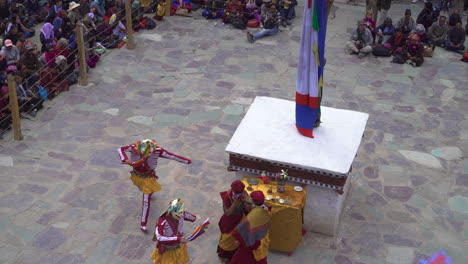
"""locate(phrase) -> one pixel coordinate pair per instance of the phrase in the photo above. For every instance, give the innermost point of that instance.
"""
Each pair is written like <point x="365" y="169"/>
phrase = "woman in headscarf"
<point x="52" y="81"/>
<point x="413" y="51"/>
<point x="62" y="48"/>
<point x="47" y="36"/>
<point x="421" y="32"/>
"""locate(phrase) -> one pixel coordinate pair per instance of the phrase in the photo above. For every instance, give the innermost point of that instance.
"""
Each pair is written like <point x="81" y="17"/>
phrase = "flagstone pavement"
<point x="65" y="198"/>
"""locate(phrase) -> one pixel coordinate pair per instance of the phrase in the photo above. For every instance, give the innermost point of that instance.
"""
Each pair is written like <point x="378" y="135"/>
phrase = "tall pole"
<point x="167" y="5"/>
<point x="81" y="53"/>
<point x="128" y="18"/>
<point x="15" y="115"/>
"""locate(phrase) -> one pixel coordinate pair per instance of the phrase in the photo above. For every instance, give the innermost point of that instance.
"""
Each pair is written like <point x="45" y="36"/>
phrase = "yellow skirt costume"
<point x="227" y="242"/>
<point x="147" y="185"/>
<point x="177" y="256"/>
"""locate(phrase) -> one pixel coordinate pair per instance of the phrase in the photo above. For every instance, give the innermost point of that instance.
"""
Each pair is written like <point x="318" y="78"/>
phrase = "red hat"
<point x="237" y="186"/>
<point x="258" y="197"/>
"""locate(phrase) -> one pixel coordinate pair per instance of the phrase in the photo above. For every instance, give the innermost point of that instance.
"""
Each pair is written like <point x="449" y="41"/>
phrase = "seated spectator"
<point x="92" y="57"/>
<point x="385" y="31"/>
<point x="421" y="32"/>
<point x="74" y="13"/>
<point x="59" y="23"/>
<point x="47" y="36"/>
<point x="5" y="115"/>
<point x="28" y="102"/>
<point x="271" y="22"/>
<point x="370" y="23"/>
<point x="46" y="13"/>
<point x="34" y="8"/>
<point x="406" y="23"/>
<point x="234" y="11"/>
<point x="266" y="5"/>
<point x="30" y="60"/>
<point x="57" y="8"/>
<point x="252" y="11"/>
<point x="181" y="7"/>
<point x="413" y="51"/>
<point x="52" y="81"/>
<point x="49" y="56"/>
<point x="120" y="30"/>
<point x="454" y="18"/>
<point x="99" y="7"/>
<point x="62" y="48"/>
<point x="286" y="9"/>
<point x="214" y="9"/>
<point x="105" y="31"/>
<point x="438" y="32"/>
<point x="427" y="16"/>
<point x="10" y="52"/>
<point x="361" y="40"/>
<point x="4" y="9"/>
<point x="28" y="32"/>
<point x="66" y="71"/>
<point x="84" y="8"/>
<point x="160" y="10"/>
<point x="13" y="34"/>
<point x="455" y="38"/>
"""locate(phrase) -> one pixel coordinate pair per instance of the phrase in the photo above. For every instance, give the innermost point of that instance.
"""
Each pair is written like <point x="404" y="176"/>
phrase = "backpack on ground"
<point x="150" y="23"/>
<point x="380" y="51"/>
<point x="238" y="23"/>
<point x="253" y="23"/>
<point x="398" y="59"/>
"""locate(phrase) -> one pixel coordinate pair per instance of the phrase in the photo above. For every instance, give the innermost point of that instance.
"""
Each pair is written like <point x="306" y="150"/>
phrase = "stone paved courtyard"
<point x="65" y="199"/>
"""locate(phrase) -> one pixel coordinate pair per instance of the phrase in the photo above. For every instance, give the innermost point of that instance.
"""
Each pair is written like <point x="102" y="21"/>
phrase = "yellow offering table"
<point x="287" y="217"/>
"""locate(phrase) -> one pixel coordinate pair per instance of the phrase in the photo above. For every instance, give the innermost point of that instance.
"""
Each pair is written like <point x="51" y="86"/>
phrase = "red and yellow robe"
<point x="252" y="235"/>
<point x="227" y="243"/>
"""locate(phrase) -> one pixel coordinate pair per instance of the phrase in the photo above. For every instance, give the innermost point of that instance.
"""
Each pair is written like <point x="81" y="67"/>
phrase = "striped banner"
<point x="310" y="67"/>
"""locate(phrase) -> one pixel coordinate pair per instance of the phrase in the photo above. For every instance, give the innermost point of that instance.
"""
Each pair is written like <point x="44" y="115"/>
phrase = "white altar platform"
<point x="268" y="133"/>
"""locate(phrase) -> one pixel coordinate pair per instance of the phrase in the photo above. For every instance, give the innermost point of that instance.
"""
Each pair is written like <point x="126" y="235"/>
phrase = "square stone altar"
<point x="267" y="140"/>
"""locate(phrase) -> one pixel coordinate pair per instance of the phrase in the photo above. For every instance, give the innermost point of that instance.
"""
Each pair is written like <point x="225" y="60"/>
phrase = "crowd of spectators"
<point x="409" y="40"/>
<point x="43" y="70"/>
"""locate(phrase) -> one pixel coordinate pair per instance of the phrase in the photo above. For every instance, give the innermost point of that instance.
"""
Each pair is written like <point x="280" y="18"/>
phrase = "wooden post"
<point x="81" y="54"/>
<point x="129" y="19"/>
<point x="15" y="115"/>
<point x="167" y="5"/>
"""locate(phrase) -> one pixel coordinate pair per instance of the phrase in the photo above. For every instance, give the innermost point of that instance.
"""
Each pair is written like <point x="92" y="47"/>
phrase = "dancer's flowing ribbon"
<point x="200" y="230"/>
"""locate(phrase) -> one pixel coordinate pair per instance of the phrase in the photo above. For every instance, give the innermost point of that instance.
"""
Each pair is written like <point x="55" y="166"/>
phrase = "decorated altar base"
<point x="267" y="140"/>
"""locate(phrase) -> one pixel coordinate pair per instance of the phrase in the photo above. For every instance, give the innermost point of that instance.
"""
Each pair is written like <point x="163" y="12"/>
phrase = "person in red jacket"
<point x="235" y="207"/>
<point x="252" y="233"/>
<point x="171" y="247"/>
<point x="144" y="156"/>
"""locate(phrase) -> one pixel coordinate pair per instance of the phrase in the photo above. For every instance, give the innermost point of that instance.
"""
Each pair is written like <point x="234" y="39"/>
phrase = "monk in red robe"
<point x="252" y="233"/>
<point x="234" y="211"/>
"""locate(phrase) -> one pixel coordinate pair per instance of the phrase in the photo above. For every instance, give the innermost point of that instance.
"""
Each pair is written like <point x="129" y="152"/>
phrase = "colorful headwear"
<point x="176" y="206"/>
<point x="414" y="37"/>
<point x="145" y="147"/>
<point x="258" y="197"/>
<point x="237" y="186"/>
<point x="419" y="29"/>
